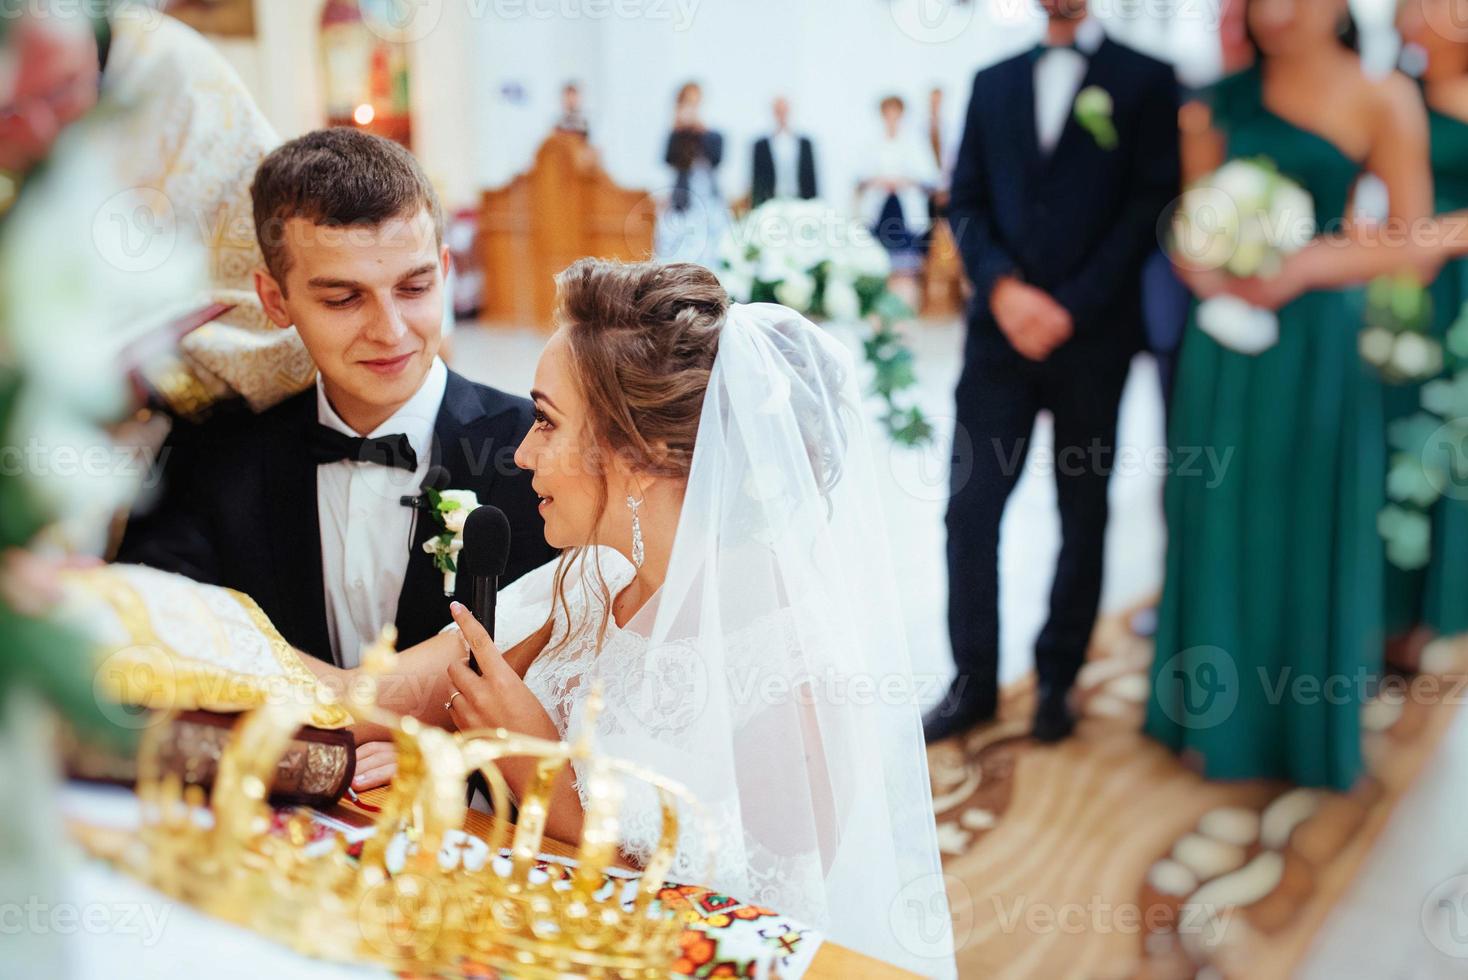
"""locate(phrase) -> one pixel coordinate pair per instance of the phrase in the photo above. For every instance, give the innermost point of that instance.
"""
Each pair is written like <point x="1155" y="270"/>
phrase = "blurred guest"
<point x="572" y="120"/>
<point x="695" y="218"/>
<point x="898" y="175"/>
<point x="1436" y="597"/>
<point x="1274" y="564"/>
<point x="192" y="136"/>
<point x="784" y="161"/>
<point x="1053" y="209"/>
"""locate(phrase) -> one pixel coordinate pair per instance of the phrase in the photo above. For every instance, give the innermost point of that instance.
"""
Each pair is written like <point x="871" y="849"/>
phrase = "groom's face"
<point x="368" y="304"/>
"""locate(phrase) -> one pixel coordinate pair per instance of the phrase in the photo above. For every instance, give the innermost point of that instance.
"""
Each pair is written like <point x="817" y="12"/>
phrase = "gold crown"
<point x="515" y="913"/>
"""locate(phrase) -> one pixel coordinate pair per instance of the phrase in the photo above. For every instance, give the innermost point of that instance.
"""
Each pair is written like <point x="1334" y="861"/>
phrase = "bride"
<point x="726" y="581"/>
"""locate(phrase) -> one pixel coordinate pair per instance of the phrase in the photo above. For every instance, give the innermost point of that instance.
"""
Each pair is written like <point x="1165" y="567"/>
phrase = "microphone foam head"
<point x="486" y="543"/>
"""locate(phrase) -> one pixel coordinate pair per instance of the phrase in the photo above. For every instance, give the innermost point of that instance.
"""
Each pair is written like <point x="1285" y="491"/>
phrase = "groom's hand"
<point x="377" y="763"/>
<point x="1032" y="321"/>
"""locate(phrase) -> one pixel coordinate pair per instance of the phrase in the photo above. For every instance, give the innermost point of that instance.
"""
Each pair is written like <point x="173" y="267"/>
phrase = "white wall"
<point x="834" y="58"/>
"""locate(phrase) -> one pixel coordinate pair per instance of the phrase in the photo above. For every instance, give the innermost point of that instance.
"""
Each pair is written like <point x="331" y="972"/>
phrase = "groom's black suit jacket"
<point x="1080" y="222"/>
<point x="238" y="509"/>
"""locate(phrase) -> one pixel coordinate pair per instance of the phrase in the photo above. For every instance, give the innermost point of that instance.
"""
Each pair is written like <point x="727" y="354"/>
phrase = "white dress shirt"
<point x="366" y="531"/>
<point x="1058" y="77"/>
<point x="785" y="152"/>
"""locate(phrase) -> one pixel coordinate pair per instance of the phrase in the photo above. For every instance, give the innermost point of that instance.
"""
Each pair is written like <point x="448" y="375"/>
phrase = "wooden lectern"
<point x="563" y="208"/>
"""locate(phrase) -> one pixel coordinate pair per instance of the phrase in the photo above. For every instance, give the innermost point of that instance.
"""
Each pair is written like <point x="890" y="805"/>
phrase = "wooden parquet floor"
<point x="1048" y="849"/>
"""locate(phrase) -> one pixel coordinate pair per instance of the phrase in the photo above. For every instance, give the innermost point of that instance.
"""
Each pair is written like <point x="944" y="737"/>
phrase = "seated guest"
<point x="572" y="120"/>
<point x="899" y="174"/>
<point x="302" y="507"/>
<point x="784" y="162"/>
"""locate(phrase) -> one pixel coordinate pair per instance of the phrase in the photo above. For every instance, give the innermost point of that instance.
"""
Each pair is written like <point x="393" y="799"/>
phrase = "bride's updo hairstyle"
<point x="643" y="338"/>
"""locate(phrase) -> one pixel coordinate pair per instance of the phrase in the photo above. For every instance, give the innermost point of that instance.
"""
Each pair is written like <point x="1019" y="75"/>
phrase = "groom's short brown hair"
<point x="338" y="177"/>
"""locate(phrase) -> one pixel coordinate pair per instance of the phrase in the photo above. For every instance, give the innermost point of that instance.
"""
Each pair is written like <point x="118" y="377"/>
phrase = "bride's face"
<point x="560" y="451"/>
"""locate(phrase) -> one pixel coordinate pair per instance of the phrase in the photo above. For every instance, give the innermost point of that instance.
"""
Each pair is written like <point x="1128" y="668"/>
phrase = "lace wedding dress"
<point x="769" y="674"/>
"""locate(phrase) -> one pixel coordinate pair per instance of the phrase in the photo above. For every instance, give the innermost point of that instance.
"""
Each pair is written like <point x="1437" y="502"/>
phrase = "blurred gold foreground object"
<point x="427" y="910"/>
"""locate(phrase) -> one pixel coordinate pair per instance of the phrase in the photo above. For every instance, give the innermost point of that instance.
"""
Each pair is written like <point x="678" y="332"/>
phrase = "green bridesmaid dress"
<point x="1271" y="618"/>
<point x="1437" y="596"/>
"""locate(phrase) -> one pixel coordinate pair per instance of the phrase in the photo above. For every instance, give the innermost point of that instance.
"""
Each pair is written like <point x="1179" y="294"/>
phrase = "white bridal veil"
<point x="774" y="681"/>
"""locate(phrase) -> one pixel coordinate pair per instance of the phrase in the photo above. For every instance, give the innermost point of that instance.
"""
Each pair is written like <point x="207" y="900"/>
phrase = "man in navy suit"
<point x="1069" y="159"/>
<point x="314" y="508"/>
<point x="784" y="162"/>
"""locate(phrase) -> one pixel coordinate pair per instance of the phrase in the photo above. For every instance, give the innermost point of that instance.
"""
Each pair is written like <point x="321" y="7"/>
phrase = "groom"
<point x="314" y="508"/>
<point x="1069" y="157"/>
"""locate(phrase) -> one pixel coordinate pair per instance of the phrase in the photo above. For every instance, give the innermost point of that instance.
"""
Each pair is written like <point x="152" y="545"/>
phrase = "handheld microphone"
<point x="482" y="561"/>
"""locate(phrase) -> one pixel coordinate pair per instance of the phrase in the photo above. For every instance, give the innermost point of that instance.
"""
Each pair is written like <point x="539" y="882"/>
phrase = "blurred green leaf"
<point x="1408" y="480"/>
<point x="1447" y="397"/>
<point x="1412" y="434"/>
<point x="1408" y="536"/>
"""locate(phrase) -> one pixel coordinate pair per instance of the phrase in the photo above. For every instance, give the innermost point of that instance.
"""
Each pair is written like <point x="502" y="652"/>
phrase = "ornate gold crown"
<point x="432" y="912"/>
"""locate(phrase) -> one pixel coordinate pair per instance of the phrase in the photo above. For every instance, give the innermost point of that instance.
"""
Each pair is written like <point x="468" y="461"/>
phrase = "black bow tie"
<point x="330" y="446"/>
<point x="1039" y="50"/>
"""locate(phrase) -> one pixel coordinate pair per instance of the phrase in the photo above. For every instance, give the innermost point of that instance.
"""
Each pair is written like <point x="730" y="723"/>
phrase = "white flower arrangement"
<point x="1396" y="340"/>
<point x="806" y="255"/>
<point x="1243" y="219"/>
<point x="811" y="257"/>
<point x="451" y="508"/>
<point x="1429" y="458"/>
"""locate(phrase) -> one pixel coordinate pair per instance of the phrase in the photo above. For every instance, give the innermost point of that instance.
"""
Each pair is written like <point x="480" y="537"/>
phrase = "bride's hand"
<point x="499" y="698"/>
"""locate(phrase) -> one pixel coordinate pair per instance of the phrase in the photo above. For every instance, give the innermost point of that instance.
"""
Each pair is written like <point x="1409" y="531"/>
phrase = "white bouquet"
<point x="811" y="257"/>
<point x="1242" y="219"/>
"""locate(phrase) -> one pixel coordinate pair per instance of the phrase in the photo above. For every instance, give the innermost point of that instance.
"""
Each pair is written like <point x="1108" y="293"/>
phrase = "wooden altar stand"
<point x="563" y="208"/>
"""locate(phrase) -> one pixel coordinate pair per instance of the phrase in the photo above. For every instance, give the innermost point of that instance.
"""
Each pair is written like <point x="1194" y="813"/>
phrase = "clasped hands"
<point x="497" y="698"/>
<point x="1030" y="318"/>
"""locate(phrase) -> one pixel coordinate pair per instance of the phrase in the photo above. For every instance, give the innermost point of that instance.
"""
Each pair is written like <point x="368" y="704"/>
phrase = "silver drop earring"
<point x="638" y="554"/>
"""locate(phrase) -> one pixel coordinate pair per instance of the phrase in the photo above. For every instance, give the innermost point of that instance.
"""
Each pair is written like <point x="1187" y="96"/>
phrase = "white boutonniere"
<point x="1093" y="109"/>
<point x="451" y="509"/>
